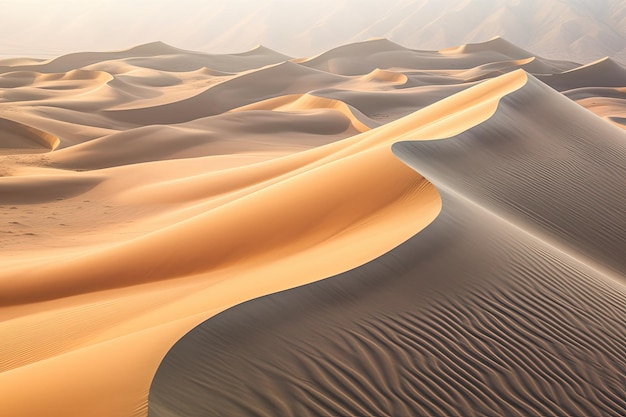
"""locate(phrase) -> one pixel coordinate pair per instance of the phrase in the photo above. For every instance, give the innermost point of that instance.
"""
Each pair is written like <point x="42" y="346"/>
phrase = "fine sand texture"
<point x="371" y="231"/>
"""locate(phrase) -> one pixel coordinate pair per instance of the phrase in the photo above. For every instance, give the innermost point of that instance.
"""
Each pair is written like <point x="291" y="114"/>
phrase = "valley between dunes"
<point x="371" y="231"/>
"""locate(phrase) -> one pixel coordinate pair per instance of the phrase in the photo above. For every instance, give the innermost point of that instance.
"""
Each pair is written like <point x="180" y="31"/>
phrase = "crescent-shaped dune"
<point x="372" y="231"/>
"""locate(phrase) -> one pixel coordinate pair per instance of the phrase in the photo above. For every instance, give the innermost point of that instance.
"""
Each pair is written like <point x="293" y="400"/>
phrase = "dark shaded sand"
<point x="494" y="309"/>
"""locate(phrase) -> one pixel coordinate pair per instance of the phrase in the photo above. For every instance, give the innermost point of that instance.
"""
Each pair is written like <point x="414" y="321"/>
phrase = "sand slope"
<point x="147" y="190"/>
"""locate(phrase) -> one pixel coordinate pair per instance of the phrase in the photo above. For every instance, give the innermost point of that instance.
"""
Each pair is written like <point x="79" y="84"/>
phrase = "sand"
<point x="371" y="231"/>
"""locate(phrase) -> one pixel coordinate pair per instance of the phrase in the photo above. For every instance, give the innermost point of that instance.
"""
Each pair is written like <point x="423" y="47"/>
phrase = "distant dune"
<point x="374" y="230"/>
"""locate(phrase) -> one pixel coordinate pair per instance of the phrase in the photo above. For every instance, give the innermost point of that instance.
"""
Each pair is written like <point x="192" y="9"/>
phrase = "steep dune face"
<point x="550" y="177"/>
<point x="440" y="209"/>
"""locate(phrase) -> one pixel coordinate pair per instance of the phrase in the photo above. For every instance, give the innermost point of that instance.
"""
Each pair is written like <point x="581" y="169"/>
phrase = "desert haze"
<point x="370" y="231"/>
<point x="578" y="30"/>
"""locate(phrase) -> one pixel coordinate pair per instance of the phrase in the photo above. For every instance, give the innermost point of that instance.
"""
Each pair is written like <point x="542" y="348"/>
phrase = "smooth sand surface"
<point x="463" y="221"/>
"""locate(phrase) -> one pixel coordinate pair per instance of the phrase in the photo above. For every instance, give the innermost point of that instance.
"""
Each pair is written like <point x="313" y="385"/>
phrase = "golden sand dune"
<point x="467" y="216"/>
<point x="493" y="309"/>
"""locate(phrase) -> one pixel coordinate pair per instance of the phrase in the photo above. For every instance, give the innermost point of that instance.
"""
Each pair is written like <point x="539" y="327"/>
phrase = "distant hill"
<point x="578" y="30"/>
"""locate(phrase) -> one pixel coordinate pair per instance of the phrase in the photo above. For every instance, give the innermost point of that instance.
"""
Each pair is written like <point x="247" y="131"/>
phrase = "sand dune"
<point x="372" y="231"/>
<point x="386" y="77"/>
<point x="133" y="260"/>
<point x="602" y="73"/>
<point x="161" y="56"/>
<point x="365" y="57"/>
<point x="303" y="102"/>
<point x="497" y="49"/>
<point x="206" y="137"/>
<point x="486" y="312"/>
<point x="611" y="109"/>
<point x="19" y="136"/>
<point x="416" y="343"/>
<point x="286" y="78"/>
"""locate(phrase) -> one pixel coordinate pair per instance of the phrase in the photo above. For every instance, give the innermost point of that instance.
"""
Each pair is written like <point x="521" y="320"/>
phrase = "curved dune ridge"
<point x="454" y="228"/>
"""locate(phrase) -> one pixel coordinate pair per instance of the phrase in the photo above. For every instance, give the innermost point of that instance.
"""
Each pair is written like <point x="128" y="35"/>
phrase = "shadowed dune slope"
<point x="496" y="308"/>
<point x="552" y="183"/>
<point x="471" y="317"/>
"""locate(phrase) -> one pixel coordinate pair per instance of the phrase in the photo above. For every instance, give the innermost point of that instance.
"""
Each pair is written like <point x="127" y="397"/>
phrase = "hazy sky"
<point x="53" y="26"/>
<point x="304" y="27"/>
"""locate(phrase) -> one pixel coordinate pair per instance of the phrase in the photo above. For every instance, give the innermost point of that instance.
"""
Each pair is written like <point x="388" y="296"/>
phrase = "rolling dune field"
<point x="371" y="231"/>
